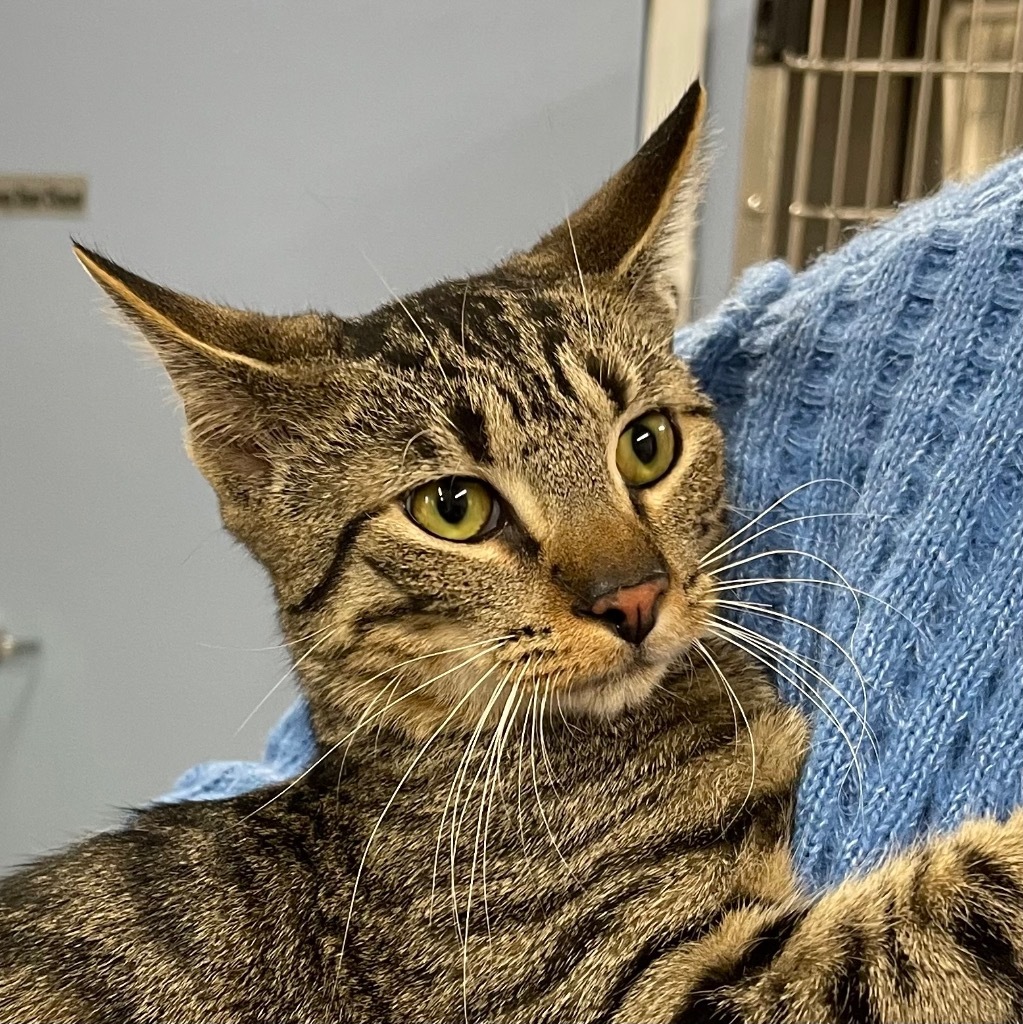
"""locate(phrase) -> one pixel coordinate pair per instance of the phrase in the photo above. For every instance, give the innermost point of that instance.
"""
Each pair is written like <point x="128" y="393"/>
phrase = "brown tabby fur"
<point x="517" y="816"/>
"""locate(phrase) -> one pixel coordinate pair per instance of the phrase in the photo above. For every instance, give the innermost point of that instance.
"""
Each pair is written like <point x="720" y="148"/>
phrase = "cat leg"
<point x="933" y="935"/>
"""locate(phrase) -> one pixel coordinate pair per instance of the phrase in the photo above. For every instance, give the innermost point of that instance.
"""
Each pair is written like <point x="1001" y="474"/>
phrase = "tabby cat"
<point x="490" y="511"/>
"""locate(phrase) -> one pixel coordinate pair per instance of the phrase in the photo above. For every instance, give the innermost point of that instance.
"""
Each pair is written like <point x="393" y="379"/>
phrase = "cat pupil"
<point x="452" y="501"/>
<point x="644" y="444"/>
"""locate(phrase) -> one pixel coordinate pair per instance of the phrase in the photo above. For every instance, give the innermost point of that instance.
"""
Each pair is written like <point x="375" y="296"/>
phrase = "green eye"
<point x="455" y="508"/>
<point x="646" y="449"/>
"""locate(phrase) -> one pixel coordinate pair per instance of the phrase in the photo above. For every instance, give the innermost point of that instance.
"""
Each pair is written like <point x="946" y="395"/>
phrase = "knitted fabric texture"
<point x="882" y="391"/>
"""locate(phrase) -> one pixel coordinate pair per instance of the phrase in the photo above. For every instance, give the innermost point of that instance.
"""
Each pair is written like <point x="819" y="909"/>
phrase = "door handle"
<point x="12" y="646"/>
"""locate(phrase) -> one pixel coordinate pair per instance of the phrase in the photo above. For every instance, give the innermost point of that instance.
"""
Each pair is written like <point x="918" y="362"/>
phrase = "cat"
<point x="490" y="512"/>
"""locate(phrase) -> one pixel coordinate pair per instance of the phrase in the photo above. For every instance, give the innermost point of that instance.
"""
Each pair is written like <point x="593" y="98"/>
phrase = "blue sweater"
<point x="891" y="373"/>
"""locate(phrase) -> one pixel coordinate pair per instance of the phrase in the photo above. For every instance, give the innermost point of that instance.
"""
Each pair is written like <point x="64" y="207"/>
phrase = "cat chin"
<point x="631" y="685"/>
<point x="605" y="698"/>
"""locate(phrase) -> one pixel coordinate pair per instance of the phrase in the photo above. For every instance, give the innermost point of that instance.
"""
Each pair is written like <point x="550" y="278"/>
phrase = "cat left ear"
<point x="637" y="226"/>
<point x="227" y="366"/>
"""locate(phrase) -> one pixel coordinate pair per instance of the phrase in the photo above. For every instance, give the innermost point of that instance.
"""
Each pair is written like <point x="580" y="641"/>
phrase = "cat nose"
<point x="631" y="611"/>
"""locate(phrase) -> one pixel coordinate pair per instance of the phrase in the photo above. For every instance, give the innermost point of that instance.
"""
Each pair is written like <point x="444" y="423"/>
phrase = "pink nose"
<point x="632" y="611"/>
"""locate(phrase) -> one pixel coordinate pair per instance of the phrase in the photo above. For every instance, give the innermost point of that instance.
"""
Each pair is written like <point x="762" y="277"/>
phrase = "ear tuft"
<point x="225" y="364"/>
<point x="637" y="225"/>
<point x="173" y="318"/>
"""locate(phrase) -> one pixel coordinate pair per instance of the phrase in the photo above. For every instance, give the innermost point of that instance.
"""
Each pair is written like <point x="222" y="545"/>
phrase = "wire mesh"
<point x="859" y="105"/>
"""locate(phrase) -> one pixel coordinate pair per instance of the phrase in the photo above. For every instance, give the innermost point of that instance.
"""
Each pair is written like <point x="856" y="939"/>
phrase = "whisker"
<point x="781" y="525"/>
<point x="759" y="581"/>
<point x="408" y="313"/>
<point x="323" y="757"/>
<point x="291" y="669"/>
<point x="430" y="401"/>
<point x="271" y="647"/>
<point x="493" y="759"/>
<point x="518" y="687"/>
<point x="536" y="790"/>
<point x="526" y="718"/>
<point x="456" y="819"/>
<point x="564" y="718"/>
<point x="358" y="725"/>
<point x="555" y="785"/>
<point x="804" y="688"/>
<point x="484" y="761"/>
<point x="582" y="283"/>
<point x="408" y="444"/>
<point x="733" y="696"/>
<point x="755" y="608"/>
<point x="397" y="789"/>
<point x="779" y="650"/>
<point x="444" y="814"/>
<point x="729" y="693"/>
<point x="770" y="508"/>
<point x="391" y="688"/>
<point x="803" y="554"/>
<point x="465" y="295"/>
<point x="499" y="640"/>
<point x="782" y="551"/>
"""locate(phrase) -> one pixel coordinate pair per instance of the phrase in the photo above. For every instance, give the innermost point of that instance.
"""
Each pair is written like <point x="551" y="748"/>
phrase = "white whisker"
<point x="465" y="295"/>
<point x="526" y="718"/>
<point x="431" y="402"/>
<point x="408" y="444"/>
<point x="536" y="789"/>
<point x="781" y="525"/>
<point x="387" y="690"/>
<point x="291" y="668"/>
<point x="802" y="554"/>
<point x="401" y="302"/>
<point x="774" y="505"/>
<point x="803" y="687"/>
<point x="499" y="640"/>
<point x="484" y="762"/>
<point x="759" y="581"/>
<point x="755" y="608"/>
<point x="733" y="696"/>
<point x="582" y="283"/>
<point x="271" y="647"/>
<point x="323" y="757"/>
<point x="397" y="789"/>
<point x="444" y="814"/>
<point x="778" y="650"/>
<point x="555" y="785"/>
<point x="456" y="818"/>
<point x="487" y="802"/>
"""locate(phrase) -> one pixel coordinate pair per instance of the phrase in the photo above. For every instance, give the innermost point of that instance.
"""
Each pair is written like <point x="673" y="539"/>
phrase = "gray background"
<point x="263" y="154"/>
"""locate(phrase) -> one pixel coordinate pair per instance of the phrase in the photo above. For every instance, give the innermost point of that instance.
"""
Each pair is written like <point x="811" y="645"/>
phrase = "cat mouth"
<point x="652" y="659"/>
<point x="609" y="693"/>
<point x="680" y="623"/>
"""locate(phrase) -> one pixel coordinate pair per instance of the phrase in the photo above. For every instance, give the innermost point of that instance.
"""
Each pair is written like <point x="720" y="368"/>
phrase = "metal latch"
<point x="12" y="646"/>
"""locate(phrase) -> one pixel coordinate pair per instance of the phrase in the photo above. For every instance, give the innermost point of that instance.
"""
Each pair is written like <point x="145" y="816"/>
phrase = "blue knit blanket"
<point x="880" y="392"/>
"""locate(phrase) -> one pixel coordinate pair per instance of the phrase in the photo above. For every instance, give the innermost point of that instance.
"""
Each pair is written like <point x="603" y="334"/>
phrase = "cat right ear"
<point x="636" y="227"/>
<point x="226" y="365"/>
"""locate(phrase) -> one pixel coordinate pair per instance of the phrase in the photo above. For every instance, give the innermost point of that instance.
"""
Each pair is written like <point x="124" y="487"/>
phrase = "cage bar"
<point x="873" y="102"/>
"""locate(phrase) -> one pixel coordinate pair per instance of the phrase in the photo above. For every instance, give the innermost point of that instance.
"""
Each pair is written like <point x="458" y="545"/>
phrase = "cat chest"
<point x="512" y="909"/>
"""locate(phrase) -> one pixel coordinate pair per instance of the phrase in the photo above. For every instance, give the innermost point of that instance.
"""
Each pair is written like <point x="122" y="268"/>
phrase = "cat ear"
<point x="226" y="365"/>
<point x="637" y="225"/>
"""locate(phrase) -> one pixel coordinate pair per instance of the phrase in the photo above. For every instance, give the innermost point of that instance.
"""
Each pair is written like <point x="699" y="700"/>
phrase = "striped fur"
<point x="517" y="816"/>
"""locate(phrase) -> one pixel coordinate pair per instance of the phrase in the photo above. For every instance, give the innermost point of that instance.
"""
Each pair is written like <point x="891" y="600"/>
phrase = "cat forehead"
<point x="493" y="326"/>
<point x="503" y="372"/>
<point x="486" y="319"/>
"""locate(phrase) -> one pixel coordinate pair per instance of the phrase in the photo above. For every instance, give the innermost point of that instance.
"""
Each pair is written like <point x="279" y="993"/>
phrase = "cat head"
<point x="493" y="491"/>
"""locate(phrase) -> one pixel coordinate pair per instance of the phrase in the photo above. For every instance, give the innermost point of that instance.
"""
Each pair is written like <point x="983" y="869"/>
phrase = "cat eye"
<point x="646" y="449"/>
<point x="455" y="508"/>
